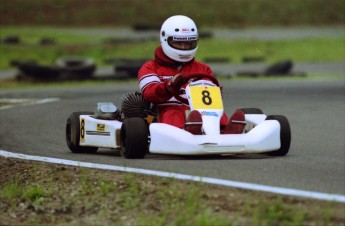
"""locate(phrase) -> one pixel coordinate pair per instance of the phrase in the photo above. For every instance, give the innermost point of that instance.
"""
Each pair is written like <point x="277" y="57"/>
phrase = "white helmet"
<point x="179" y="29"/>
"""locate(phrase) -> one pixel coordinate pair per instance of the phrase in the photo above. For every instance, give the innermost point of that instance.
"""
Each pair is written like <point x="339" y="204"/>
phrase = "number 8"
<point x="206" y="99"/>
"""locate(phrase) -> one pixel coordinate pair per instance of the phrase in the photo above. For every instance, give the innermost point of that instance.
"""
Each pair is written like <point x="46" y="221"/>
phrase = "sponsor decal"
<point x="100" y="127"/>
<point x="97" y="133"/>
<point x="185" y="38"/>
<point x="165" y="77"/>
<point x="202" y="83"/>
<point x="209" y="113"/>
<point x="82" y="130"/>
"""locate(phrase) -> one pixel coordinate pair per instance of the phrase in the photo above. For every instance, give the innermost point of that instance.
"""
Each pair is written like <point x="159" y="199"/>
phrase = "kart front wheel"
<point x="134" y="138"/>
<point x="285" y="135"/>
<point x="73" y="133"/>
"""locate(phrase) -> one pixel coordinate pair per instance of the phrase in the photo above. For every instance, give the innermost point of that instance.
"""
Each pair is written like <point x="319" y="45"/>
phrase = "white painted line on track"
<point x="228" y="183"/>
<point x="14" y="102"/>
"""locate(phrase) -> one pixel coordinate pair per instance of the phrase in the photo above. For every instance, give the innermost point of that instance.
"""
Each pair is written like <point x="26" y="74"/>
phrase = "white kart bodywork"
<point x="260" y="135"/>
<point x="167" y="139"/>
<point x="98" y="132"/>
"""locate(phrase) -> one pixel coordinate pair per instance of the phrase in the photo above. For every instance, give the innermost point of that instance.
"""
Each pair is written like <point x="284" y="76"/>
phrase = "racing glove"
<point x="176" y="81"/>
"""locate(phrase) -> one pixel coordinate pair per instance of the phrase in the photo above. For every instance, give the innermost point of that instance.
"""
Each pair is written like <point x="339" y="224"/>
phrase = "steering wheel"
<point x="187" y="77"/>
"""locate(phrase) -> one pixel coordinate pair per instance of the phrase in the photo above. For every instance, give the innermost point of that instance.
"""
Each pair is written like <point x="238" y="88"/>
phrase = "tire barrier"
<point x="64" y="69"/>
<point x="205" y="34"/>
<point x="47" y="42"/>
<point x="281" y="68"/>
<point x="34" y="71"/>
<point x="250" y="59"/>
<point x="217" y="60"/>
<point x="11" y="40"/>
<point x="76" y="67"/>
<point x="146" y="27"/>
<point x="129" y="67"/>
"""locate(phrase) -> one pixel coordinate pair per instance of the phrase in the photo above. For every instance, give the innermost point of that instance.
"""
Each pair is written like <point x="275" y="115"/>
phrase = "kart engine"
<point x="134" y="105"/>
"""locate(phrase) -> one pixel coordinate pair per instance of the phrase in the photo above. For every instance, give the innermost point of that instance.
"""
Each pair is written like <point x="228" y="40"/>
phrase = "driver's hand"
<point x="176" y="81"/>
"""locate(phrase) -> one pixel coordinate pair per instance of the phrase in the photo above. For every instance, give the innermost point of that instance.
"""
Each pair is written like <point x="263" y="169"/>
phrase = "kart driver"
<point x="173" y="58"/>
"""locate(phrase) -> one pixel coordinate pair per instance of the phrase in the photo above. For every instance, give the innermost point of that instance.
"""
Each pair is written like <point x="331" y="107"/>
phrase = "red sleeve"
<point x="152" y="88"/>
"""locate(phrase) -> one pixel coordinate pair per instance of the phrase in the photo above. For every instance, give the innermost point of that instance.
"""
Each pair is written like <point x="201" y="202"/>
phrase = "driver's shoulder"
<point x="200" y="66"/>
<point x="148" y="65"/>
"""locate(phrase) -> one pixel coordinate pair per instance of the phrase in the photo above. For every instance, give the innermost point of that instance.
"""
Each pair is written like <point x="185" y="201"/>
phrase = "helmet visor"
<point x="183" y="42"/>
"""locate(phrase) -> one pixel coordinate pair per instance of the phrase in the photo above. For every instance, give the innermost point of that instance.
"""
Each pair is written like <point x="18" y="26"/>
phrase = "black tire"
<point x="12" y="40"/>
<point x="134" y="138"/>
<point x="76" y="67"/>
<point x="250" y="59"/>
<point x="39" y="72"/>
<point x="47" y="41"/>
<point x="205" y="34"/>
<point x="146" y="27"/>
<point x="252" y="74"/>
<point x="73" y="134"/>
<point x="129" y="67"/>
<point x="285" y="135"/>
<point x="279" y="68"/>
<point x="216" y="60"/>
<point x="252" y="110"/>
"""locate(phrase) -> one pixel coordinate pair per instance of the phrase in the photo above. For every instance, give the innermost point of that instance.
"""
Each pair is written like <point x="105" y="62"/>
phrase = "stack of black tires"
<point x="70" y="68"/>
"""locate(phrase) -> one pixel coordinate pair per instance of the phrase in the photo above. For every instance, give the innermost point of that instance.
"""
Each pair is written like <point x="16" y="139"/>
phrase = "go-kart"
<point x="134" y="131"/>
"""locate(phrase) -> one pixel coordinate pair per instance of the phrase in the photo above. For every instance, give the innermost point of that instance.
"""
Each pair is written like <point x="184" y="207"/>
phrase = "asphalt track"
<point x="315" y="109"/>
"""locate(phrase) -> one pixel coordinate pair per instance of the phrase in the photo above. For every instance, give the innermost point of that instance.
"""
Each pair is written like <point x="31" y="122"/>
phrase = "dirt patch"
<point x="41" y="193"/>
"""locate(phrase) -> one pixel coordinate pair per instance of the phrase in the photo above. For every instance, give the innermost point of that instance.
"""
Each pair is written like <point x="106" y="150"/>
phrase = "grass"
<point x="14" y="84"/>
<point x="226" y="13"/>
<point x="277" y="213"/>
<point x="14" y="190"/>
<point x="74" y="44"/>
<point x="39" y="194"/>
<point x="313" y="49"/>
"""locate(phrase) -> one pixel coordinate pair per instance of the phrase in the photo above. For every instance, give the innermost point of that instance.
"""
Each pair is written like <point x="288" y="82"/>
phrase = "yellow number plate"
<point x="206" y="97"/>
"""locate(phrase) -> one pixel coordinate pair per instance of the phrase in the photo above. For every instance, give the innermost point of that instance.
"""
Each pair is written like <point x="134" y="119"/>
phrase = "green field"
<point x="219" y="13"/>
<point x="57" y="19"/>
<point x="71" y="43"/>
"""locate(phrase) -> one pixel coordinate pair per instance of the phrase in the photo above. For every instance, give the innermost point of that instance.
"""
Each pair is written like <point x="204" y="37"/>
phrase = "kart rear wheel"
<point x="73" y="134"/>
<point x="285" y="135"/>
<point x="134" y="138"/>
<point x="252" y="111"/>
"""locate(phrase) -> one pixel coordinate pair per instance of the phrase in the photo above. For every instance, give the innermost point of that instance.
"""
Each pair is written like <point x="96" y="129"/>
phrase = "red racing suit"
<point x="152" y="77"/>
